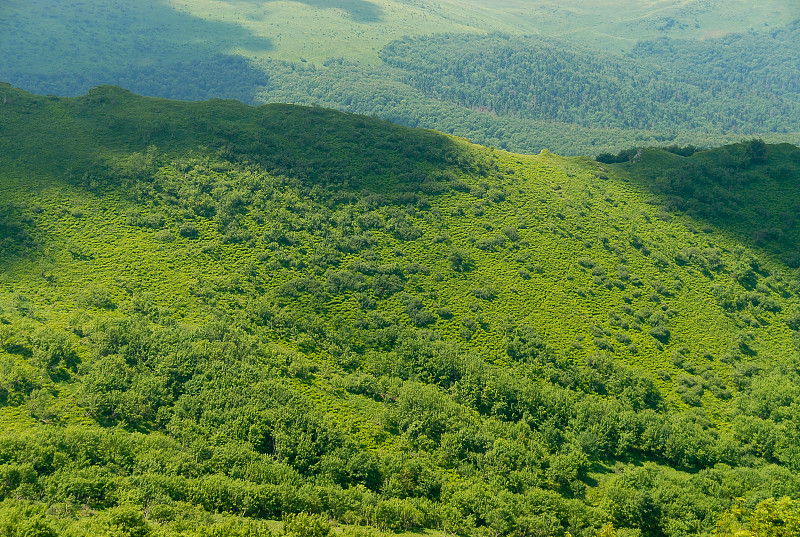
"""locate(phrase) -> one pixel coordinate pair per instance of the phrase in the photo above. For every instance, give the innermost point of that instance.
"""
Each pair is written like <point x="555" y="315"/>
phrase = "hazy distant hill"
<point x="212" y="316"/>
<point x="554" y="75"/>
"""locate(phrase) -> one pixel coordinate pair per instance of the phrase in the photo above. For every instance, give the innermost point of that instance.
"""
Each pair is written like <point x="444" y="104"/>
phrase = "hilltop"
<point x="214" y="316"/>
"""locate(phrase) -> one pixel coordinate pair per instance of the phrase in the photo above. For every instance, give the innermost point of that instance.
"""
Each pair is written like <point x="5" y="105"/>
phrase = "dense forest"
<point x="658" y="86"/>
<point x="764" y="61"/>
<point x="215" y="317"/>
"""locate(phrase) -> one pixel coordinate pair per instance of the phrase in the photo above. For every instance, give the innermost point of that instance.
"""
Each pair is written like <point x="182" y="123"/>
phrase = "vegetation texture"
<point x="213" y="316"/>
<point x="520" y="75"/>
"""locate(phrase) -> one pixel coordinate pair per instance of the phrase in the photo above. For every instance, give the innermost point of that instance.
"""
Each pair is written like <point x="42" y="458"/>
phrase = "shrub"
<point x="660" y="332"/>
<point x="484" y="293"/>
<point x="164" y="235"/>
<point x="188" y="231"/>
<point x="306" y="525"/>
<point x="793" y="321"/>
<point x="96" y="296"/>
<point x="460" y="260"/>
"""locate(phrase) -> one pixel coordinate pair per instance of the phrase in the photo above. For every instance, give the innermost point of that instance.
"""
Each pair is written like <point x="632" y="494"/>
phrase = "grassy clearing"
<point x="45" y="38"/>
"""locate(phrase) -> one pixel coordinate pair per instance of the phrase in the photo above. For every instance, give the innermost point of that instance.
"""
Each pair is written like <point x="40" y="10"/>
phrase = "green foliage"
<point x="735" y="187"/>
<point x="771" y="517"/>
<point x="623" y="156"/>
<point x="25" y="520"/>
<point x="359" y="324"/>
<point x="543" y="79"/>
<point x="306" y="525"/>
<point x="588" y="77"/>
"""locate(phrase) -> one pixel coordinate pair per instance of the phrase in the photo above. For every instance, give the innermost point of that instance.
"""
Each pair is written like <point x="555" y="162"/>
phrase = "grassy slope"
<point x="47" y="38"/>
<point x="573" y="248"/>
<point x="561" y="206"/>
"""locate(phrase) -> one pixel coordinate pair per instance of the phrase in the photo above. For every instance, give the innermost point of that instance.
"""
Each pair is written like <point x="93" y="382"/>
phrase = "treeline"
<point x="547" y="80"/>
<point x="368" y="90"/>
<point x="378" y="92"/>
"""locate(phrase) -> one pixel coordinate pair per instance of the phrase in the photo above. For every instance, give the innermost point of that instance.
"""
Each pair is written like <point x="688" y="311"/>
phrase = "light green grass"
<point x="356" y="30"/>
<point x="45" y="37"/>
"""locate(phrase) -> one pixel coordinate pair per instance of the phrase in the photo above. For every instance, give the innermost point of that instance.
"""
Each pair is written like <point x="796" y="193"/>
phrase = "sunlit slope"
<point x="580" y="230"/>
<point x="213" y="308"/>
<point x="47" y="37"/>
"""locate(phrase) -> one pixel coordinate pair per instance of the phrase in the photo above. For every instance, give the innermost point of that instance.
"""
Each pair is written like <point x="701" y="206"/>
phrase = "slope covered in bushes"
<point x="212" y="316"/>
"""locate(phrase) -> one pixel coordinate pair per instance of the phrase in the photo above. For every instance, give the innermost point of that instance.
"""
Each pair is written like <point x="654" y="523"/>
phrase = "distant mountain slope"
<point x="574" y="79"/>
<point x="213" y="315"/>
<point x="43" y="37"/>
<point x="765" y="61"/>
<point x="548" y="80"/>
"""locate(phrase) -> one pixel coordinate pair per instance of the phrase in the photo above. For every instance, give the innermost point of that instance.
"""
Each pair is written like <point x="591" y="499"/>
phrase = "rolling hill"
<point x="215" y="316"/>
<point x="572" y="79"/>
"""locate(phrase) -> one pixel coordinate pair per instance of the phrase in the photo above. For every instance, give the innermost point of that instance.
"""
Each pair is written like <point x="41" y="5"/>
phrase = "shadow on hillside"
<point x="148" y="47"/>
<point x="749" y="189"/>
<point x="16" y="230"/>
<point x="314" y="145"/>
<point x="218" y="77"/>
<point x="357" y="10"/>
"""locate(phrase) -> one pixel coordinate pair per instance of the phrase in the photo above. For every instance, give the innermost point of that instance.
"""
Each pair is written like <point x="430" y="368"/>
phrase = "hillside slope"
<point x="48" y="38"/>
<point x="212" y="315"/>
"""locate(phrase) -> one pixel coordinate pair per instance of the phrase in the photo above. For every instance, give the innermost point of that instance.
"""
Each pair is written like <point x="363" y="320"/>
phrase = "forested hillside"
<point x="760" y="61"/>
<point x="215" y="317"/>
<point x="516" y="75"/>
<point x="547" y="80"/>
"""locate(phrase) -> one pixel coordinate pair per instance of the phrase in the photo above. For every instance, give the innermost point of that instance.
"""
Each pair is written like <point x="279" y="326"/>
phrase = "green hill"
<point x="42" y="37"/>
<point x="657" y="87"/>
<point x="215" y="316"/>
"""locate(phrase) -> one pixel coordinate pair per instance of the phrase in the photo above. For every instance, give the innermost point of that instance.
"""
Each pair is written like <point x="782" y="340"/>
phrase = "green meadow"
<point x="47" y="38"/>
